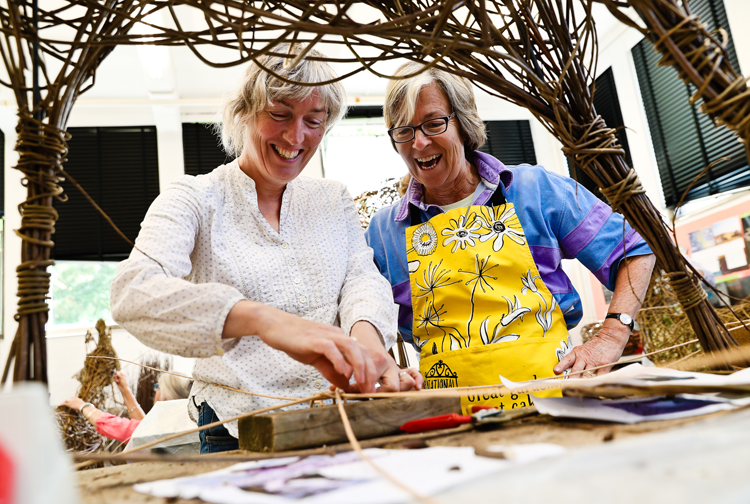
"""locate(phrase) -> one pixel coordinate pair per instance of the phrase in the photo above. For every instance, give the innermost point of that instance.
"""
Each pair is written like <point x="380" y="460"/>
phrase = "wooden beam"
<point x="309" y="427"/>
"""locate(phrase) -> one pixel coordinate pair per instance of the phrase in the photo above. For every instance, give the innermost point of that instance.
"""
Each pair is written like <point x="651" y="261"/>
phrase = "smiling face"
<point x="438" y="162"/>
<point x="282" y="139"/>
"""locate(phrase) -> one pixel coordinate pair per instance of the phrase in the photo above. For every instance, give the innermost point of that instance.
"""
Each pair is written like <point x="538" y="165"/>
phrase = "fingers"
<point x="603" y="371"/>
<point x="335" y="358"/>
<point x="410" y="379"/>
<point x="565" y="363"/>
<point x="418" y="378"/>
<point x="391" y="381"/>
<point x="373" y="374"/>
<point x="579" y="365"/>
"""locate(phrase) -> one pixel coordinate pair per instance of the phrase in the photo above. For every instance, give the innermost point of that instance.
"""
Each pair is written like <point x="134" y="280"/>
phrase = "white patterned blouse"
<point x="216" y="249"/>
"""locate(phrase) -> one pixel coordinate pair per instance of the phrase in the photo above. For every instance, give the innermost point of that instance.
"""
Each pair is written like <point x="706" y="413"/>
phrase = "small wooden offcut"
<point x="292" y="430"/>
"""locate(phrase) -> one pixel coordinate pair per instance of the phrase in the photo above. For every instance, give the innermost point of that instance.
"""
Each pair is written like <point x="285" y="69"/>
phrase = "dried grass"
<point x="96" y="387"/>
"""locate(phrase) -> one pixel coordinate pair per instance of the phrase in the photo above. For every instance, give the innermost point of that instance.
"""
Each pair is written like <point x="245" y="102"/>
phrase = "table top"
<point x="691" y="457"/>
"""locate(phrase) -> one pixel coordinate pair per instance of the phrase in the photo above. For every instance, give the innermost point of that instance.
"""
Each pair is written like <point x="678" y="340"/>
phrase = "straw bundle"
<point x="96" y="387"/>
<point x="370" y="202"/>
<point x="663" y="323"/>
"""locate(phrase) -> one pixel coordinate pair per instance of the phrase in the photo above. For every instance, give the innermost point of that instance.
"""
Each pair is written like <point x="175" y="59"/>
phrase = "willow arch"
<point x="539" y="54"/>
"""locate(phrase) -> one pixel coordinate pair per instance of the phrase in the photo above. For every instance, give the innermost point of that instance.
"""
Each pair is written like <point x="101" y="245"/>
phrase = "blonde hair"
<point x="259" y="88"/>
<point x="401" y="100"/>
<point x="174" y="387"/>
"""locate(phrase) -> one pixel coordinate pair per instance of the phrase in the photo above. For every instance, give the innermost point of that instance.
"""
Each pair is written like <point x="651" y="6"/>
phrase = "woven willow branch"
<point x="539" y="54"/>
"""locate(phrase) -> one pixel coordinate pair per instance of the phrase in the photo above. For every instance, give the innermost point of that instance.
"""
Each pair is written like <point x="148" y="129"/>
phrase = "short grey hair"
<point x="259" y="88"/>
<point x="174" y="387"/>
<point x="401" y="100"/>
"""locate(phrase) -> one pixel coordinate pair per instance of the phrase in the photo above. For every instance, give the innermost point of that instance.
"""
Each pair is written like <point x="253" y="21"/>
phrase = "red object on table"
<point x="7" y="477"/>
<point x="437" y="422"/>
<point x="477" y="408"/>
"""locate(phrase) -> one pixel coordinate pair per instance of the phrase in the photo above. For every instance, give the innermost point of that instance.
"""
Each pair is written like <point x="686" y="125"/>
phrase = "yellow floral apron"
<point x="480" y="307"/>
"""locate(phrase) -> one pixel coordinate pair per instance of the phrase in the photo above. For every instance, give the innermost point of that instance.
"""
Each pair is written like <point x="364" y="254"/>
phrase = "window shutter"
<point x="2" y="179"/>
<point x="118" y="167"/>
<point x="685" y="140"/>
<point x="202" y="148"/>
<point x="607" y="105"/>
<point x="510" y="142"/>
<point x="363" y="111"/>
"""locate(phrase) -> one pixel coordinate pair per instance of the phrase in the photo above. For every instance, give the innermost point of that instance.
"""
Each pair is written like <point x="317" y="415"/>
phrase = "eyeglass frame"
<point x="419" y="126"/>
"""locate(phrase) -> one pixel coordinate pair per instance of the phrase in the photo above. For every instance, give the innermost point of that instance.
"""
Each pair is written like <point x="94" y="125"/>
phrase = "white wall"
<point x="67" y="354"/>
<point x="14" y="194"/>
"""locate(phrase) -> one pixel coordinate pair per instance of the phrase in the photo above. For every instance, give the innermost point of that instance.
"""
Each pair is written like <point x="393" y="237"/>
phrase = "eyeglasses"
<point x="433" y="127"/>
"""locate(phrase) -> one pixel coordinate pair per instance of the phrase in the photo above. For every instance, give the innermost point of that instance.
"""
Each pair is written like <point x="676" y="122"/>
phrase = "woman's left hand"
<point x="604" y="348"/>
<point x="74" y="403"/>
<point x="384" y="370"/>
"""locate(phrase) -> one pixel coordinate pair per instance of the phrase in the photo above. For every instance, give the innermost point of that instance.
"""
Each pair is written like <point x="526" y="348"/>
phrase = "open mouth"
<point x="286" y="154"/>
<point x="429" y="162"/>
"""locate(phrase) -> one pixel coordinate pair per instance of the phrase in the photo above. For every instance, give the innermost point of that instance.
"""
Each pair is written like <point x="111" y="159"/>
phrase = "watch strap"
<point x="618" y="316"/>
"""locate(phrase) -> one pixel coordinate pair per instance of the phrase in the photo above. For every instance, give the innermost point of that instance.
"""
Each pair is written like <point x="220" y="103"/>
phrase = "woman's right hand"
<point x="323" y="346"/>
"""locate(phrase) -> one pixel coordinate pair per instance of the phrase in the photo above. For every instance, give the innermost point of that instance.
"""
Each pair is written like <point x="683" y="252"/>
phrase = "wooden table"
<point x="701" y="460"/>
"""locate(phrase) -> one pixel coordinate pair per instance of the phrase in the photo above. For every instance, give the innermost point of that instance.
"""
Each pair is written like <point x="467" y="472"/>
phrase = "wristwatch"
<point x="624" y="319"/>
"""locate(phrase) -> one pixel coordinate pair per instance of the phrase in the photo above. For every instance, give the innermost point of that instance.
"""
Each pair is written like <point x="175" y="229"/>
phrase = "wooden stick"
<point x="202" y="428"/>
<point x="243" y="457"/>
<point x="191" y="378"/>
<point x="357" y="448"/>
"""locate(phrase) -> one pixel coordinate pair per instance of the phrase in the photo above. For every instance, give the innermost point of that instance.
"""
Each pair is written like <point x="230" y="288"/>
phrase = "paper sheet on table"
<point x="642" y="409"/>
<point x="344" y="478"/>
<point x="641" y="376"/>
<point x="164" y="419"/>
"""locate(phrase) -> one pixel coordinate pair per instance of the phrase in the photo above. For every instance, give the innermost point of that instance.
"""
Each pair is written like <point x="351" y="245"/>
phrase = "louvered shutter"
<point x="2" y="179"/>
<point x="510" y="142"/>
<point x="118" y="167"/>
<point x="202" y="148"/>
<point x="685" y="140"/>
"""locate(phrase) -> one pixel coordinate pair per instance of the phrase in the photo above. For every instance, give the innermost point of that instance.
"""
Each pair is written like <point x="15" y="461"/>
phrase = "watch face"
<point x="626" y="319"/>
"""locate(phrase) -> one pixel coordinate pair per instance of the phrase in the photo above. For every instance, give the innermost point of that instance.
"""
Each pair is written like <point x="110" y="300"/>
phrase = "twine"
<point x="42" y="149"/>
<point x="622" y="191"/>
<point x="687" y="290"/>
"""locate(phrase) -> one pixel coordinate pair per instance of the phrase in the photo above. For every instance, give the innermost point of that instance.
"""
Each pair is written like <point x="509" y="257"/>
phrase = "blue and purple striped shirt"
<point x="560" y="218"/>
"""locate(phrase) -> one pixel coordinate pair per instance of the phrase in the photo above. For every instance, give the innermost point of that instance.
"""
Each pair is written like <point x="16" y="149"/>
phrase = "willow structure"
<point x="539" y="54"/>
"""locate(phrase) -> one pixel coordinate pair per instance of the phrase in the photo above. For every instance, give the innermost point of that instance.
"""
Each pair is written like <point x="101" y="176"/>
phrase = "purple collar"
<point x="490" y="169"/>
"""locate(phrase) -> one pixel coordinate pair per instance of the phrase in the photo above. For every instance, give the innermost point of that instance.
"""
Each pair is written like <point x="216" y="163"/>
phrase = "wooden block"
<point x="310" y="427"/>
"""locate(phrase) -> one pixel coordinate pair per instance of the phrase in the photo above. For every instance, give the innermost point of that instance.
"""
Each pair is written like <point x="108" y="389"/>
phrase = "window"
<point x="202" y="148"/>
<point x="607" y="105"/>
<point x="2" y="168"/>
<point x="80" y="293"/>
<point x="358" y="152"/>
<point x="510" y="142"/>
<point x="685" y="140"/>
<point x="118" y="167"/>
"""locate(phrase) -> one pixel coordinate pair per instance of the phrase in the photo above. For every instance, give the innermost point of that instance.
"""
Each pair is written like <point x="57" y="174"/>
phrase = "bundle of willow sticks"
<point x="96" y="388"/>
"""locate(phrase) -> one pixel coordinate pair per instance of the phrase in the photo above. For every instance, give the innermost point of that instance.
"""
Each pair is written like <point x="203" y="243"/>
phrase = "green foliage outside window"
<point x="80" y="292"/>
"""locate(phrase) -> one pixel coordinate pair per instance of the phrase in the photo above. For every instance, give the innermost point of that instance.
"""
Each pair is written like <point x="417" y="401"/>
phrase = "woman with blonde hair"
<point x="262" y="274"/>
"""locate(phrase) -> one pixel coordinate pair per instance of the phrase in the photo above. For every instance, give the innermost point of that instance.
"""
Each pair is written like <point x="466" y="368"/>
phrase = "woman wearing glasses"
<point x="473" y="250"/>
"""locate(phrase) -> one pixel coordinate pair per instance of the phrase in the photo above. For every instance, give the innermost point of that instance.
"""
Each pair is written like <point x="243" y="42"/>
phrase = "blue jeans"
<point x="216" y="439"/>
